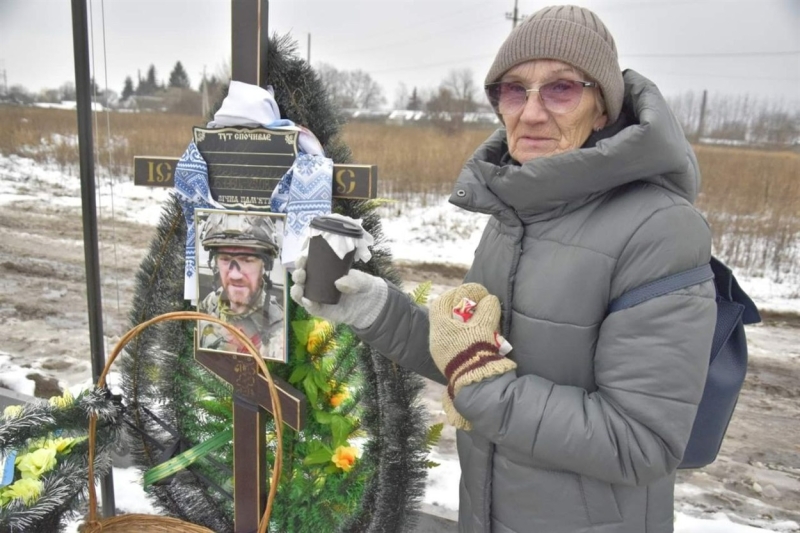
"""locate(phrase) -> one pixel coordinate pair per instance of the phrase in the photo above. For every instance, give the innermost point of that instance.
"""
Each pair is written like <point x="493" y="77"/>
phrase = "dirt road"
<point x="44" y="317"/>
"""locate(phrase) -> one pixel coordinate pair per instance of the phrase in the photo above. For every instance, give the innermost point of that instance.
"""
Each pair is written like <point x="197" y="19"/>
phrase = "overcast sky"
<point x="725" y="46"/>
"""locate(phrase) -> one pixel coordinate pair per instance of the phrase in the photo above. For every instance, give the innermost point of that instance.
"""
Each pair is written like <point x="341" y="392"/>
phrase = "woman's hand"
<point x="363" y="297"/>
<point x="466" y="351"/>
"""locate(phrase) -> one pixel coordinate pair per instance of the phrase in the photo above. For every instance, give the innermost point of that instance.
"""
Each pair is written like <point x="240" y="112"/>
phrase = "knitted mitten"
<point x="466" y="352"/>
<point x="363" y="297"/>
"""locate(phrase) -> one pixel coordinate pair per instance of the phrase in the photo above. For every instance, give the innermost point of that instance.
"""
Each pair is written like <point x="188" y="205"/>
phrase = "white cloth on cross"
<point x="253" y="106"/>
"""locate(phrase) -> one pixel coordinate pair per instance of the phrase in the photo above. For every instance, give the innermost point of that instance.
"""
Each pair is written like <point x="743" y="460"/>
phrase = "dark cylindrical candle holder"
<point x="324" y="266"/>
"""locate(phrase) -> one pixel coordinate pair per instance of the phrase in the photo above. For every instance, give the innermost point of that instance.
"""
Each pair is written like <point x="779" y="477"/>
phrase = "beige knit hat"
<point x="570" y="34"/>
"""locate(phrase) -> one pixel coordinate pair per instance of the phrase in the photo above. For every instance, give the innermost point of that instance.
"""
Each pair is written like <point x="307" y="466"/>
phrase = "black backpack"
<point x="728" y="359"/>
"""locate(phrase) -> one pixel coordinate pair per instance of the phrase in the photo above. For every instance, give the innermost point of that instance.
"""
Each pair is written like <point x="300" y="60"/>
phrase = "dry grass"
<point x="413" y="160"/>
<point x="751" y="198"/>
<point x="50" y="135"/>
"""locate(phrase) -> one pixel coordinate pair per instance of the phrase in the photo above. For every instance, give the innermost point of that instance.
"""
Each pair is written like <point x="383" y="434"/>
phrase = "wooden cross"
<point x="251" y="399"/>
<point x="251" y="402"/>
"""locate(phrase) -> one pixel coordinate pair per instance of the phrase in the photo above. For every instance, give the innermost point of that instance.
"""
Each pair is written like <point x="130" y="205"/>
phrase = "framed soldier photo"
<point x="241" y="281"/>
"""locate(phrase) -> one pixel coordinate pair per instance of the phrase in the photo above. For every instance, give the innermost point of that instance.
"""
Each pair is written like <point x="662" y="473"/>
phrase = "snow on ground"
<point x="442" y="491"/>
<point x="442" y="233"/>
<point x="433" y="232"/>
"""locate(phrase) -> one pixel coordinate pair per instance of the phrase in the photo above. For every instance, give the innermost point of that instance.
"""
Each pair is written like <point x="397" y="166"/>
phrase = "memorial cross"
<point x="251" y="398"/>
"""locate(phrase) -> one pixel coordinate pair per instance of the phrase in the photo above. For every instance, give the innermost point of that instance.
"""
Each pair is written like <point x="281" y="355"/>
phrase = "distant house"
<point x="402" y="116"/>
<point x="145" y="103"/>
<point x="405" y="117"/>
<point x="70" y="105"/>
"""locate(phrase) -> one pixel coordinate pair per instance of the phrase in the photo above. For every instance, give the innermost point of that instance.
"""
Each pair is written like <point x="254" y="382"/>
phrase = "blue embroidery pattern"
<point x="191" y="187"/>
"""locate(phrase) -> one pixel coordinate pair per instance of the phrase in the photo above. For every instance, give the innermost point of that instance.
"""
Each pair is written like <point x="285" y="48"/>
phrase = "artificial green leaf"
<point x="433" y="435"/>
<point x="322" y="417"/>
<point x="311" y="389"/>
<point x="302" y="329"/>
<point x="299" y="351"/>
<point x="422" y="292"/>
<point x="185" y="459"/>
<point x="299" y="373"/>
<point x="340" y="428"/>
<point x="321" y="382"/>
<point x="323" y="455"/>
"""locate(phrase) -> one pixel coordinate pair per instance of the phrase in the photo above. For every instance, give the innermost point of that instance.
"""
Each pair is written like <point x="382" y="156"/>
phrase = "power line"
<point x="431" y="65"/>
<point x="726" y="76"/>
<point x="731" y="54"/>
<point x="719" y="54"/>
<point x="428" y="37"/>
<point x="428" y="34"/>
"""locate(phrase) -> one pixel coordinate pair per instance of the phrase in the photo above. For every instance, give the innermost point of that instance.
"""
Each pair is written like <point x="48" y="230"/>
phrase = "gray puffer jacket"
<point x="586" y="434"/>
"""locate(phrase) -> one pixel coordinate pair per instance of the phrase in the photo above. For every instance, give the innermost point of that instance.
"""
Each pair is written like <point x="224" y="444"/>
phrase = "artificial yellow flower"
<point x="26" y="488"/>
<point x="61" y="444"/>
<point x="62" y="401"/>
<point x="36" y="463"/>
<point x="316" y="339"/>
<point x="345" y="457"/>
<point x="339" y="397"/>
<point x="12" y="411"/>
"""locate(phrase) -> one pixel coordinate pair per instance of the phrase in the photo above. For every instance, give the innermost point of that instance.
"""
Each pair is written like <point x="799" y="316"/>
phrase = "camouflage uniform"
<point x="266" y="332"/>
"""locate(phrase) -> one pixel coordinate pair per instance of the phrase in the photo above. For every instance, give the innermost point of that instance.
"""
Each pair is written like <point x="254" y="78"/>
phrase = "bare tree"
<point x="18" y="94"/>
<point x="461" y="85"/>
<point x="414" y="102"/>
<point x="332" y="80"/>
<point x="353" y="89"/>
<point x="401" y="96"/>
<point x="686" y="108"/>
<point x="444" y="110"/>
<point x="741" y="118"/>
<point x="362" y="92"/>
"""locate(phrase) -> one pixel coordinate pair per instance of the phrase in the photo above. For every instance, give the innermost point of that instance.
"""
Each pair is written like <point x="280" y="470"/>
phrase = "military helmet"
<point x="224" y="229"/>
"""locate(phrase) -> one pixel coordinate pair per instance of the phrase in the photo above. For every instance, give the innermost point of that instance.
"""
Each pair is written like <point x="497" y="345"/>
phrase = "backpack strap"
<point x="660" y="287"/>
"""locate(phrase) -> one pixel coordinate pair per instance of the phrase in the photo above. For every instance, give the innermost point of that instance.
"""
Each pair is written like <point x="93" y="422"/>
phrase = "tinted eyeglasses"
<point x="560" y="96"/>
<point x="241" y="261"/>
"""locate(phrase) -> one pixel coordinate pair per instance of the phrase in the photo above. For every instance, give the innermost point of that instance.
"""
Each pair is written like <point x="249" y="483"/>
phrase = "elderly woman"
<point x="580" y="427"/>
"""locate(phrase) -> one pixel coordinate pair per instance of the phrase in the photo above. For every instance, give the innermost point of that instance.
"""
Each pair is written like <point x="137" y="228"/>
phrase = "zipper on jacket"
<point x="512" y="276"/>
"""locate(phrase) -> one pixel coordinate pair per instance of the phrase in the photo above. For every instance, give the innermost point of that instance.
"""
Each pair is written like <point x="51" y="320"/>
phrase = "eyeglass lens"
<point x="240" y="260"/>
<point x="561" y="96"/>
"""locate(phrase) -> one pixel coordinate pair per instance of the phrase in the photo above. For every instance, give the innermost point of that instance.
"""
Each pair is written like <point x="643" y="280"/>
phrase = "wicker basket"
<point x="143" y="523"/>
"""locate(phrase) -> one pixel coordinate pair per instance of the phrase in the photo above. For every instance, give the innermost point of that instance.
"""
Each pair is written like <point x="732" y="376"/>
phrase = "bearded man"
<point x="242" y="250"/>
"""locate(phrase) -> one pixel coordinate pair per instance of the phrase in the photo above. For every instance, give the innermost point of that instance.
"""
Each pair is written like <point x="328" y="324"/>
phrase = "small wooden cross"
<point x="251" y="402"/>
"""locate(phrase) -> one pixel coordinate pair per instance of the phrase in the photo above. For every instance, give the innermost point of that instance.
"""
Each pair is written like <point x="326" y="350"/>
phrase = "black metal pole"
<point x="80" y="40"/>
<point x="263" y="43"/>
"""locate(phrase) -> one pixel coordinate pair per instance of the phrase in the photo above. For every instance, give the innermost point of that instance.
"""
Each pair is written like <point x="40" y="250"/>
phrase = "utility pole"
<point x="702" y="122"/>
<point x="308" y="55"/>
<point x="515" y="16"/>
<point x="5" y="78"/>
<point x="204" y="105"/>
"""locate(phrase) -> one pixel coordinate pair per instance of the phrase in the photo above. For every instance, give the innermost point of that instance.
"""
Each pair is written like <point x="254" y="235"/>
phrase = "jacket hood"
<point x="649" y="146"/>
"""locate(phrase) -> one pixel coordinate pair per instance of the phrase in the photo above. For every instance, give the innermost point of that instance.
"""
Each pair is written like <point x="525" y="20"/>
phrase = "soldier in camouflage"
<point x="242" y="249"/>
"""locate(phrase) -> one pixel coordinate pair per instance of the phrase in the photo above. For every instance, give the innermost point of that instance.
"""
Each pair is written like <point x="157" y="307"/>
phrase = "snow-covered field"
<point x="435" y="232"/>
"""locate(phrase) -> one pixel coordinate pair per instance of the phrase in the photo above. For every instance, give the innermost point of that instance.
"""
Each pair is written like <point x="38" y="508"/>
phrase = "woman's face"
<point x="533" y="130"/>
